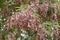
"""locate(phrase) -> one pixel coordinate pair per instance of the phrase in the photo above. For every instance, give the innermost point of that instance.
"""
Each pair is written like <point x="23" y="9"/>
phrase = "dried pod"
<point x="53" y="16"/>
<point x="43" y="9"/>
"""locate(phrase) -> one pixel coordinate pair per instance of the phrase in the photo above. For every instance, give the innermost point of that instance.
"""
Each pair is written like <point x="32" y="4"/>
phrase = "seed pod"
<point x="43" y="9"/>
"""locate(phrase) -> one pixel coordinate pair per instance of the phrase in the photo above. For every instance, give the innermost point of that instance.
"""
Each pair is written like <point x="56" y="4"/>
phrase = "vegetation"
<point x="29" y="20"/>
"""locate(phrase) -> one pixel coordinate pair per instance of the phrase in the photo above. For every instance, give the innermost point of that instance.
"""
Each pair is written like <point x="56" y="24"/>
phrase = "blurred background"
<point x="29" y="19"/>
